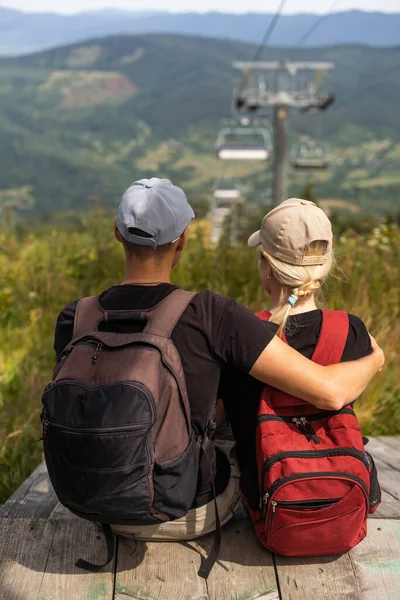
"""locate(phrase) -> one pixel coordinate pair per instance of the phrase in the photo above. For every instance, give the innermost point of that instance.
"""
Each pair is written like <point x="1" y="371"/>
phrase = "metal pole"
<point x="280" y="154"/>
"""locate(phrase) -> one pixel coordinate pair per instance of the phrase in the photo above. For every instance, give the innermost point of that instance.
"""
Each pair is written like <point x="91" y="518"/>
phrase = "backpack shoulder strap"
<point x="162" y="319"/>
<point x="332" y="338"/>
<point x="88" y="315"/>
<point x="264" y="315"/>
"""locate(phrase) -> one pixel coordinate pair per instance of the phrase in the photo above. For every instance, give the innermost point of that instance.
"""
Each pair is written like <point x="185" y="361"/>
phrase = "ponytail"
<point x="299" y="281"/>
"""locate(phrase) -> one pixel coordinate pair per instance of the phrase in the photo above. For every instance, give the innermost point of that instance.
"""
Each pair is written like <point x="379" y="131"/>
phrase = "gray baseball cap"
<point x="153" y="212"/>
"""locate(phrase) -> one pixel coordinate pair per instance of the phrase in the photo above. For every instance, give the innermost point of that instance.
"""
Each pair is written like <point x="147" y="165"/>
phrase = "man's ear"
<point x="180" y="246"/>
<point x="117" y="234"/>
<point x="182" y="240"/>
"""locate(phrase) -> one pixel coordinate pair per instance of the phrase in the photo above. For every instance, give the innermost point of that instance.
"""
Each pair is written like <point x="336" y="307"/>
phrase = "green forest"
<point x="88" y="119"/>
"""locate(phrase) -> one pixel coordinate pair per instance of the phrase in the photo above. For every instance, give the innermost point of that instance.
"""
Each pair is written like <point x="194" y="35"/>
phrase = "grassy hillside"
<point x="87" y="119"/>
<point x="43" y="271"/>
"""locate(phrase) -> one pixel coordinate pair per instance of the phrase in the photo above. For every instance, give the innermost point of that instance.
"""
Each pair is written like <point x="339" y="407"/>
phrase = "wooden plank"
<point x="24" y="548"/>
<point x="388" y="509"/>
<point x="245" y="570"/>
<point x="34" y="498"/>
<point x="168" y="571"/>
<point x="37" y="560"/>
<point x="376" y="561"/>
<point x="381" y="451"/>
<point x="158" y="571"/>
<point x="60" y="512"/>
<point x="390" y="440"/>
<point x="62" y="580"/>
<point x="389" y="478"/>
<point x="317" y="577"/>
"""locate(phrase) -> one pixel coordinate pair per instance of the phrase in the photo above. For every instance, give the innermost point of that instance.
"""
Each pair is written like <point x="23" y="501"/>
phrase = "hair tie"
<point x="292" y="299"/>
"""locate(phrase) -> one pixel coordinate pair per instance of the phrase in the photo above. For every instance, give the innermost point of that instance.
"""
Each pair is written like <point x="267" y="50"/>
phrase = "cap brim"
<point x="254" y="240"/>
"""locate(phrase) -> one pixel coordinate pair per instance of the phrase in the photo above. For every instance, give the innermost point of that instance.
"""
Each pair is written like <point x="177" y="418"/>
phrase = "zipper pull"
<point x="299" y="424"/>
<point x="49" y="386"/>
<point x="66" y="353"/>
<point x="263" y="505"/>
<point x="95" y="356"/>
<point x="274" y="505"/>
<point x="45" y="427"/>
<point x="310" y="429"/>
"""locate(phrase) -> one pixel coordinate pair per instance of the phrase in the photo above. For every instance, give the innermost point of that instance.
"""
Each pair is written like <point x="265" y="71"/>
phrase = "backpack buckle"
<point x="210" y="429"/>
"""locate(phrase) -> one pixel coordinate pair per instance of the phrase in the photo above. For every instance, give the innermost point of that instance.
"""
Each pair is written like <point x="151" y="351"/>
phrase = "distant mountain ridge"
<point x="87" y="119"/>
<point x="22" y="32"/>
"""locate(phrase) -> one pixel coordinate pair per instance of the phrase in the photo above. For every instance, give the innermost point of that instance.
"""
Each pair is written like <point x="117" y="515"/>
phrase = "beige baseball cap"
<point x="287" y="231"/>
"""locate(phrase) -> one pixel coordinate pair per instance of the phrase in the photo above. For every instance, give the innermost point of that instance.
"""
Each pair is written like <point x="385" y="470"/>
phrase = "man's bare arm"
<point x="328" y="388"/>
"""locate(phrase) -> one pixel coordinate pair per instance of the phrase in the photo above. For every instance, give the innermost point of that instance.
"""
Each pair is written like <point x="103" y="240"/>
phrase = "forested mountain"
<point x="87" y="119"/>
<point x="22" y="32"/>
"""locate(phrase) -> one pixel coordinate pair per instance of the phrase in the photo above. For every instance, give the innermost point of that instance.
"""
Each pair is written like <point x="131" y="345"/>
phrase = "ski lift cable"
<point x="316" y="24"/>
<point x="268" y="33"/>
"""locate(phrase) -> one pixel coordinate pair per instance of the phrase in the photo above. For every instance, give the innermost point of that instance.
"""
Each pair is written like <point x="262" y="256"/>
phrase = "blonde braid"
<point x="301" y="281"/>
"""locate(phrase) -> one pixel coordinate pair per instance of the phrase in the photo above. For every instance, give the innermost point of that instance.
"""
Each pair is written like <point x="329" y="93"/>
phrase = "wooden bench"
<point x="40" y="542"/>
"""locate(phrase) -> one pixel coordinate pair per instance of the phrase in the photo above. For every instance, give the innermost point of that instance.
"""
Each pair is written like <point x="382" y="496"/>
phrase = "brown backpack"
<point x="117" y="433"/>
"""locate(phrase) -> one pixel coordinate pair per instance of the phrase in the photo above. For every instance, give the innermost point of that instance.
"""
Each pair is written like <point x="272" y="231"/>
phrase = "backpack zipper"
<point x="283" y="480"/>
<point x="313" y="417"/>
<point x="308" y="427"/>
<point x="93" y="430"/>
<point x="99" y="347"/>
<point x="46" y="422"/>
<point x="319" y="503"/>
<point x="96" y="354"/>
<point x="303" y="422"/>
<point x="300" y="505"/>
<point x="300" y="426"/>
<point x="313" y="454"/>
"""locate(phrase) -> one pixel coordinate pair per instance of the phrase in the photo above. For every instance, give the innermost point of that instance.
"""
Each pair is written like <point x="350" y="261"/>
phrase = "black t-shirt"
<point x="213" y="332"/>
<point x="238" y="390"/>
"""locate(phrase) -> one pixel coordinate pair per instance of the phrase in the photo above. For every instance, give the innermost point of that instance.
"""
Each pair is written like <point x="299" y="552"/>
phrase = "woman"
<point x="295" y="258"/>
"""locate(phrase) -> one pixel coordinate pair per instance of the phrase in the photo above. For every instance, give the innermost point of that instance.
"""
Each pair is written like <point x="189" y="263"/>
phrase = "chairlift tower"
<point x="280" y="86"/>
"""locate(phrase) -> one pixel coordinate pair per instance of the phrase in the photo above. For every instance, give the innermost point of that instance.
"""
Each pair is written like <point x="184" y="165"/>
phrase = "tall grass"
<point x="42" y="272"/>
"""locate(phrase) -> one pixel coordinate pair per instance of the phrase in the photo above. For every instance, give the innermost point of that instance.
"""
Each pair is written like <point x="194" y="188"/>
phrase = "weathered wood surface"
<point x="40" y="541"/>
<point x="37" y="560"/>
<point x="376" y="562"/>
<point x="371" y="571"/>
<point x="168" y="571"/>
<point x="324" y="577"/>
<point x="34" y="498"/>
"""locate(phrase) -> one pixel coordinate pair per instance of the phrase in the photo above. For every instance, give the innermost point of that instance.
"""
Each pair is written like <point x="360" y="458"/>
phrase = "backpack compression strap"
<point x="332" y="337"/>
<point x="207" y="447"/>
<point x="87" y="566"/>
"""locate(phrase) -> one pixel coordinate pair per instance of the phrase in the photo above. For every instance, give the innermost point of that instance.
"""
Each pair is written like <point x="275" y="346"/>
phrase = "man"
<point x="214" y="331"/>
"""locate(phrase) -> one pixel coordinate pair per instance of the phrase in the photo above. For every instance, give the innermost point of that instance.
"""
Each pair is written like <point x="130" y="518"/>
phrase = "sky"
<point x="231" y="6"/>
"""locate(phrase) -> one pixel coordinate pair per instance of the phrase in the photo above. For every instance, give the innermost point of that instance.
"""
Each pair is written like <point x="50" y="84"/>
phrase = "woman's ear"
<point x="268" y="265"/>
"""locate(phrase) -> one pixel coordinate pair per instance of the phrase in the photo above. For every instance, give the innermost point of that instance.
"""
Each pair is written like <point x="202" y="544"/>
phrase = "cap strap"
<point x="314" y="260"/>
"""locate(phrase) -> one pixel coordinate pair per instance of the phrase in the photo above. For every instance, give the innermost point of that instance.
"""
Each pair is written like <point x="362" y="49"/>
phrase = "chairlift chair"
<point x="226" y="189"/>
<point x="244" y="143"/>
<point x="310" y="154"/>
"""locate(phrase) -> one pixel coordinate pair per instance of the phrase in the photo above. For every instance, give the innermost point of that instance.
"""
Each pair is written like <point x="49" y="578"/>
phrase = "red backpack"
<point x="317" y="483"/>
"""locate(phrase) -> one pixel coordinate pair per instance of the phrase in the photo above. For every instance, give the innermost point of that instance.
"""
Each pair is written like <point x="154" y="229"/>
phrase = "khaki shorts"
<point x="198" y="521"/>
